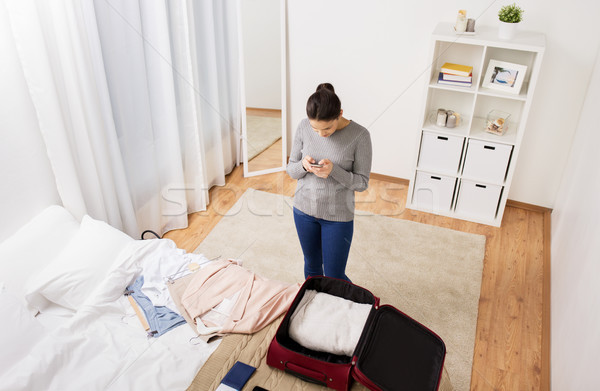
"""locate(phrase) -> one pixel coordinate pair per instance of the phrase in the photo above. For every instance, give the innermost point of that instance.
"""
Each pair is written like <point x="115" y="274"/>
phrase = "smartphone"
<point x="316" y="165"/>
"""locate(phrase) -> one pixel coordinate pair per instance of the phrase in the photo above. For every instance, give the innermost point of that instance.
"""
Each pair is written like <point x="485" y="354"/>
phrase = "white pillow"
<point x="34" y="246"/>
<point x="79" y="268"/>
<point x="19" y="331"/>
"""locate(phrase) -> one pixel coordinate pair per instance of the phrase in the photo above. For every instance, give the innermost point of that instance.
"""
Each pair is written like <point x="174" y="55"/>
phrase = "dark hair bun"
<point x="325" y="86"/>
<point x="323" y="104"/>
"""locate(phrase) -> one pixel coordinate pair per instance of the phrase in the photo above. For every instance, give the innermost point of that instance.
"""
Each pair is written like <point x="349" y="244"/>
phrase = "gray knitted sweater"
<point x="349" y="149"/>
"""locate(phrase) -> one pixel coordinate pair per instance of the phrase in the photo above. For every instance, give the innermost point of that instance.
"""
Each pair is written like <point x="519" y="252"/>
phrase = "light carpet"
<point x="262" y="133"/>
<point x="432" y="274"/>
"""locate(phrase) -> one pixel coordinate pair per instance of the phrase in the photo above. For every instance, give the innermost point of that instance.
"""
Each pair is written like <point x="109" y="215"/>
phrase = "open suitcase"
<point x="394" y="351"/>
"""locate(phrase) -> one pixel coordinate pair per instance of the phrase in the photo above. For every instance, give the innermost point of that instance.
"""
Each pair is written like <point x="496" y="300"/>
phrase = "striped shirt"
<point x="349" y="149"/>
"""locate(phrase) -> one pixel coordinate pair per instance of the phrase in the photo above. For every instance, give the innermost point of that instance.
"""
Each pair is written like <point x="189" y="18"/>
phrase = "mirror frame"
<point x="244" y="138"/>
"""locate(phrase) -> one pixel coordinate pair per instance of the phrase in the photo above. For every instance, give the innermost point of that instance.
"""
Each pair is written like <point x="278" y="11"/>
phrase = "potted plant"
<point x="510" y="16"/>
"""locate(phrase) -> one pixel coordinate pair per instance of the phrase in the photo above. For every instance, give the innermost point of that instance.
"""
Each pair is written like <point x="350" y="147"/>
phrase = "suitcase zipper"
<point x="362" y="379"/>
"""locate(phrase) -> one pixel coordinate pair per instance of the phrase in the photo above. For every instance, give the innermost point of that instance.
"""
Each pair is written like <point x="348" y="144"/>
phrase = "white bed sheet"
<point x="104" y="347"/>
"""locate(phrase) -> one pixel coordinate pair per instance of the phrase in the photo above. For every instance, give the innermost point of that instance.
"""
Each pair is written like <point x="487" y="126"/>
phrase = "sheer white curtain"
<point x="136" y="103"/>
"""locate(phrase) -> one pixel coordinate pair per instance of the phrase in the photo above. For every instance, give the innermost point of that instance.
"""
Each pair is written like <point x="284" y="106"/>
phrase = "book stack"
<point x="456" y="75"/>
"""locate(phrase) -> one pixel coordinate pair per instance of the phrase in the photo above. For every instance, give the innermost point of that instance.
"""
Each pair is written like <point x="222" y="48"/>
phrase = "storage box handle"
<point x="482" y="186"/>
<point x="442" y="138"/>
<point x="437" y="178"/>
<point x="306" y="374"/>
<point x="489" y="147"/>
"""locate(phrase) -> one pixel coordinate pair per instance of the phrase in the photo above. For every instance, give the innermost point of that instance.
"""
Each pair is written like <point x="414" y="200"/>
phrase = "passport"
<point x="237" y="376"/>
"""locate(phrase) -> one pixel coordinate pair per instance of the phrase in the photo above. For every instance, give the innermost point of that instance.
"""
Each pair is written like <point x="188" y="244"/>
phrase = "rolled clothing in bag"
<point x="328" y="323"/>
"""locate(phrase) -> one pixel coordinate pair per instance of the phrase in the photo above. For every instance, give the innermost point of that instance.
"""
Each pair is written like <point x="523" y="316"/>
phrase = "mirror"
<point x="263" y="85"/>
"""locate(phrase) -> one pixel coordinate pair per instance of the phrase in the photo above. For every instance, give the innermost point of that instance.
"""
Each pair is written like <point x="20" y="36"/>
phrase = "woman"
<point x="331" y="159"/>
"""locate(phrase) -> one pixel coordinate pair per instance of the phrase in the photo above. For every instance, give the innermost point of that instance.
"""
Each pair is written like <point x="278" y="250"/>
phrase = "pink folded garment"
<point x="260" y="302"/>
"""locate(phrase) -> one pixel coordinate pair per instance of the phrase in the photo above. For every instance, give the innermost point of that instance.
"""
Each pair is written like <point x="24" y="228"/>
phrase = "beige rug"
<point x="262" y="133"/>
<point x="432" y="274"/>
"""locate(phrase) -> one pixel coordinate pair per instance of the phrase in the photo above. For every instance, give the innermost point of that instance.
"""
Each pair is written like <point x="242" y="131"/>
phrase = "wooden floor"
<point x="272" y="156"/>
<point x="508" y="348"/>
<point x="269" y="158"/>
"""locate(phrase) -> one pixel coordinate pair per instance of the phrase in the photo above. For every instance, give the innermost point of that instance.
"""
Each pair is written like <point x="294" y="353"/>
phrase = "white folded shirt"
<point x="328" y="323"/>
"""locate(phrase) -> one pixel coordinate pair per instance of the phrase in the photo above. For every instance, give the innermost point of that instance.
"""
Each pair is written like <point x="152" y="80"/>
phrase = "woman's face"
<point x="324" y="128"/>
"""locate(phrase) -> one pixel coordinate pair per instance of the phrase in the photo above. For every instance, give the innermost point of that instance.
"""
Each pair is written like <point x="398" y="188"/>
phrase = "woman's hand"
<point x="306" y="163"/>
<point x="323" y="172"/>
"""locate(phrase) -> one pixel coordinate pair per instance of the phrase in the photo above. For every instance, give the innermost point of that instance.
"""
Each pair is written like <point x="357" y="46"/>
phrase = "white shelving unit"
<point x="466" y="172"/>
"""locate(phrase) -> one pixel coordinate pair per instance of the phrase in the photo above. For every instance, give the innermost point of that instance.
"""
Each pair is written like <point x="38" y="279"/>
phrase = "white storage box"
<point x="478" y="200"/>
<point x="434" y="192"/>
<point x="487" y="161"/>
<point x="440" y="152"/>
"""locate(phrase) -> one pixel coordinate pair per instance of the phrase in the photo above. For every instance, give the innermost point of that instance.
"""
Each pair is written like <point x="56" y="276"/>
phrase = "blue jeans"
<point x="325" y="245"/>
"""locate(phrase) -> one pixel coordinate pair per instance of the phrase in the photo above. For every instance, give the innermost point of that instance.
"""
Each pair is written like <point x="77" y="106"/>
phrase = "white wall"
<point x="27" y="185"/>
<point x="575" y="285"/>
<point x="261" y="24"/>
<point x="376" y="54"/>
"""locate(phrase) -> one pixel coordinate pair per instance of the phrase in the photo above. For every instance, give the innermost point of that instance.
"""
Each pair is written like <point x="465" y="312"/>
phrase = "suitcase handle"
<point x="306" y="374"/>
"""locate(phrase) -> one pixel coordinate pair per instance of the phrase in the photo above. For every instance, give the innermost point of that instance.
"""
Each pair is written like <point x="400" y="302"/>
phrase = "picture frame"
<point x="504" y="76"/>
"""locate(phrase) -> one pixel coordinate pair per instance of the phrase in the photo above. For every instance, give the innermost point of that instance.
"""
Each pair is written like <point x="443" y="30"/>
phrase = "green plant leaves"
<point x="511" y="13"/>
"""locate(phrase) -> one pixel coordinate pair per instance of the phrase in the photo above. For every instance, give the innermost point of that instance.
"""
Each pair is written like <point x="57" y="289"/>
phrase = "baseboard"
<point x="529" y="207"/>
<point x="388" y="178"/>
<point x="545" y="370"/>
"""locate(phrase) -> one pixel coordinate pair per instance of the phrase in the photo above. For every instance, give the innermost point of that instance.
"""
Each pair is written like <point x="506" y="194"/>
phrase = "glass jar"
<point x="497" y="122"/>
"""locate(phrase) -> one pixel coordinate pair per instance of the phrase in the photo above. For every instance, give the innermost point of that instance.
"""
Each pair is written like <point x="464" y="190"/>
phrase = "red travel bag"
<point x="394" y="352"/>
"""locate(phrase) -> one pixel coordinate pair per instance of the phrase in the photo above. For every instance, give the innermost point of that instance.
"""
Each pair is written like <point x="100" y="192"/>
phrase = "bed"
<point x="68" y="324"/>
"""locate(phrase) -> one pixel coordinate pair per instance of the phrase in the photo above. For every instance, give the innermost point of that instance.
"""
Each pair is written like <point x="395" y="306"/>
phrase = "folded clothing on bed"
<point x="259" y="302"/>
<point x="160" y="318"/>
<point x="328" y="323"/>
<point x="166" y="260"/>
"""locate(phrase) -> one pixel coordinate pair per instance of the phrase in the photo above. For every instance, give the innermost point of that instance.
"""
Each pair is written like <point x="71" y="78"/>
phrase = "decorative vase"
<point x="461" y="22"/>
<point x="507" y="30"/>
